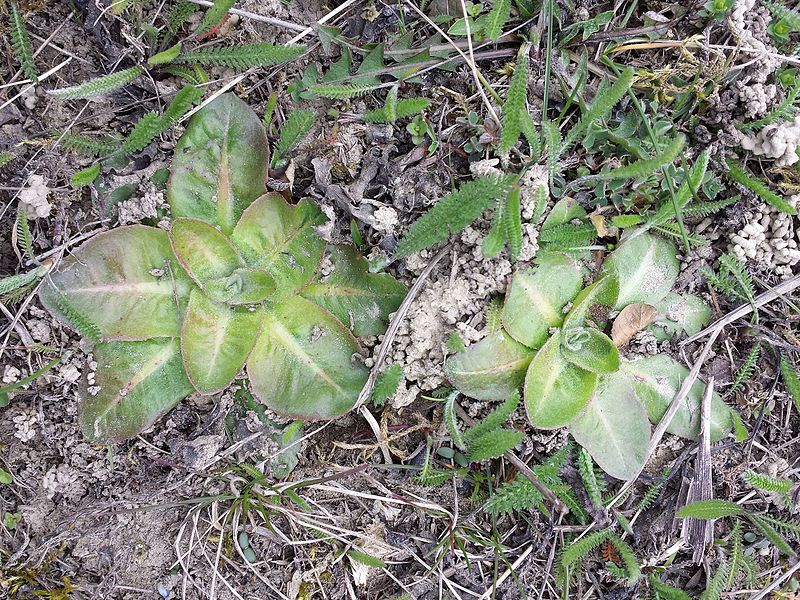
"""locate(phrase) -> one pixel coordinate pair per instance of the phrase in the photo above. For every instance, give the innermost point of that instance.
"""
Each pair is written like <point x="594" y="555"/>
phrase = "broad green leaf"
<point x="646" y="268"/>
<point x="359" y="299"/>
<point x="216" y="340"/>
<point x="491" y="369"/>
<point x="679" y="314"/>
<point x="243" y="286"/>
<point x="124" y="283"/>
<point x="536" y="299"/>
<point x="602" y="292"/>
<point x="657" y="379"/>
<point x="279" y="238"/>
<point x="303" y="363"/>
<point x="203" y="250"/>
<point x="614" y="428"/>
<point x="555" y="389"/>
<point x="589" y="349"/>
<point x="220" y="164"/>
<point x="139" y="382"/>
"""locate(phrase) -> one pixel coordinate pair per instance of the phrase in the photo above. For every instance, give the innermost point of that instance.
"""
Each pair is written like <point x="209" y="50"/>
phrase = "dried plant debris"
<point x="526" y="146"/>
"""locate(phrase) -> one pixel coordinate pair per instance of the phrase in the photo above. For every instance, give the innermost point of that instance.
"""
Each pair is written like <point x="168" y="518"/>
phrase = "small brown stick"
<point x="778" y="291"/>
<point x="388" y="337"/>
<point x="777" y="583"/>
<point x="699" y="533"/>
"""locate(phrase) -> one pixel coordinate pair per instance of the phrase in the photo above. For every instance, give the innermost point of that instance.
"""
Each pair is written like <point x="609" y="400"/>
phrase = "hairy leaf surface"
<point x="216" y="340"/>
<point x="360" y="299"/>
<point x="126" y="282"/>
<point x="139" y="382"/>
<point x="657" y="379"/>
<point x="614" y="428"/>
<point x="302" y="364"/>
<point x="280" y="239"/>
<point x="555" y="389"/>
<point x="220" y="164"/>
<point x="646" y="268"/>
<point x="491" y="369"/>
<point x="536" y="299"/>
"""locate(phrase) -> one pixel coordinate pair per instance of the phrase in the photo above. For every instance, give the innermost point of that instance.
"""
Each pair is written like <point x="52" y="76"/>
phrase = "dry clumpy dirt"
<point x="158" y="516"/>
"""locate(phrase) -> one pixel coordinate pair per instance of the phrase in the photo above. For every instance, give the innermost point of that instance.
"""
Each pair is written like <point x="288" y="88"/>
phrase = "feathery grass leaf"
<point x="21" y="44"/>
<point x="758" y="187"/>
<point x="242" y="57"/>
<point x="101" y="86"/>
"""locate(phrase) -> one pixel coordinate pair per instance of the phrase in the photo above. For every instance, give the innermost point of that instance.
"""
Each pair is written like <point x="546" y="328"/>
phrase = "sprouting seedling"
<point x="235" y="283"/>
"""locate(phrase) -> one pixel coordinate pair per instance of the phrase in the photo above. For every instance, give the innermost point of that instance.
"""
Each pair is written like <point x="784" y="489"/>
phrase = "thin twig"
<point x="256" y="17"/>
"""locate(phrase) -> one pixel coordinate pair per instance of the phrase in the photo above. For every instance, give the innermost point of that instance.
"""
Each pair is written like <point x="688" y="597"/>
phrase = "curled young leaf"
<point x="589" y="349"/>
<point x="631" y="320"/>
<point x="203" y="250"/>
<point x="555" y="389"/>
<point x="491" y="369"/>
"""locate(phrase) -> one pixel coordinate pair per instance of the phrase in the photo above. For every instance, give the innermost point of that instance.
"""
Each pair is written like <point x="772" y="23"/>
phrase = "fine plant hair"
<point x="506" y="226"/>
<point x="746" y="370"/>
<point x="342" y="91"/>
<point x="496" y="19"/>
<point x="589" y="478"/>
<point x="102" y="86"/>
<point x="403" y="108"/>
<point x="453" y="213"/>
<point x="176" y="17"/>
<point x="603" y="102"/>
<point x="10" y="285"/>
<point x="21" y="44"/>
<point x="78" y="321"/>
<point x="653" y="491"/>
<point x="758" y="187"/>
<point x="662" y="591"/>
<point x="688" y="188"/>
<point x="22" y="233"/>
<point x="486" y="439"/>
<point x="153" y="124"/>
<point x="716" y="585"/>
<point x="645" y="167"/>
<point x="514" y="106"/>
<point x="5" y="158"/>
<point x="87" y="145"/>
<point x="297" y="125"/>
<point x="790" y="379"/>
<point x="242" y="57"/>
<point x="782" y="112"/>
<point x="387" y="384"/>
<point x="732" y="279"/>
<point x="215" y="15"/>
<point x="765" y="483"/>
<point x="740" y="563"/>
<point x="521" y="495"/>
<point x="573" y="557"/>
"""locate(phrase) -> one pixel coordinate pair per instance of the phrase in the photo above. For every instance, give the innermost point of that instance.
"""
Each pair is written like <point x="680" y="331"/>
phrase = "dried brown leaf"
<point x="631" y="320"/>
